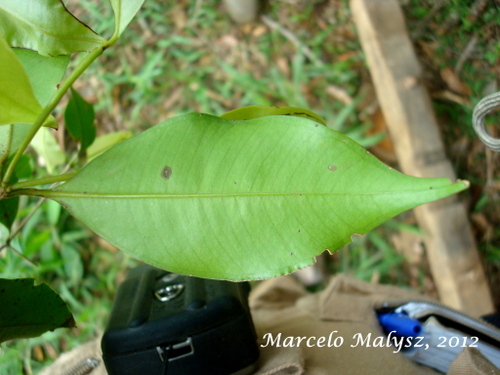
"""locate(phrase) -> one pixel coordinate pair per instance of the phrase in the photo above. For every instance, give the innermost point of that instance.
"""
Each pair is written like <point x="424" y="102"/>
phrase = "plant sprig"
<point x="45" y="26"/>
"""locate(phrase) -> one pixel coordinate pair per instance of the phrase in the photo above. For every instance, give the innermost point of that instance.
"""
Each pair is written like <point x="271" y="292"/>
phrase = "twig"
<point x="25" y="220"/>
<point x="18" y="253"/>
<point x="292" y="38"/>
<point x="490" y="181"/>
<point x="18" y="230"/>
<point x="466" y="54"/>
<point x="476" y="10"/>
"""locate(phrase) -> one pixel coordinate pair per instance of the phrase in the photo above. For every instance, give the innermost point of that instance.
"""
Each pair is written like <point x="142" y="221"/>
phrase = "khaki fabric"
<point x="68" y="362"/>
<point x="471" y="361"/>
<point x="344" y="309"/>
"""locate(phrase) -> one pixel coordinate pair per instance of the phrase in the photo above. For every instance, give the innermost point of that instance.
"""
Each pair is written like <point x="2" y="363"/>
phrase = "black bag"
<point x="164" y="323"/>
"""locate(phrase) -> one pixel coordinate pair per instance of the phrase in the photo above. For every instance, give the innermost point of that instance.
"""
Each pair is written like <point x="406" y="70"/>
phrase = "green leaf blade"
<point x="11" y="137"/>
<point x="18" y="103"/>
<point x="29" y="310"/>
<point x="256" y="111"/>
<point x="8" y="211"/>
<point x="105" y="142"/>
<point x="45" y="26"/>
<point x="79" y="119"/>
<point x="239" y="199"/>
<point x="45" y="73"/>
<point x="124" y="12"/>
<point x="48" y="149"/>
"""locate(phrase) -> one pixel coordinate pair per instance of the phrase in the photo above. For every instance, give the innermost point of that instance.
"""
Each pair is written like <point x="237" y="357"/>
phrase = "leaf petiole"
<point x="42" y="181"/>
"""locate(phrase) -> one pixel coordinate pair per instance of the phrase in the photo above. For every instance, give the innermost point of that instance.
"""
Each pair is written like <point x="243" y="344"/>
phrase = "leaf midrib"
<point x="65" y="194"/>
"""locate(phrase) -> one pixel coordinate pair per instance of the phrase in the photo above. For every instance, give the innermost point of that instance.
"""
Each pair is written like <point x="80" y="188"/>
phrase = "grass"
<point x="198" y="60"/>
<point x="188" y="56"/>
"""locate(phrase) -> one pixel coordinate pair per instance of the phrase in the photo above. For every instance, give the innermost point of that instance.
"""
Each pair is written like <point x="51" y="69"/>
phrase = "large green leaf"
<point x="124" y="11"/>
<point x="45" y="26"/>
<point x="17" y="99"/>
<point x="239" y="200"/>
<point x="29" y="310"/>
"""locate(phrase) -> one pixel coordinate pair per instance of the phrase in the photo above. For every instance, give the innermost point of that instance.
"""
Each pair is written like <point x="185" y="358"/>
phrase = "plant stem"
<point x="7" y="246"/>
<point x="43" y="181"/>
<point x="30" y="192"/>
<point x="46" y="111"/>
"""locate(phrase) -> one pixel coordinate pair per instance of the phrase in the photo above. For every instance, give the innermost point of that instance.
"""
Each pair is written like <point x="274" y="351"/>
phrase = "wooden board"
<point x="396" y="73"/>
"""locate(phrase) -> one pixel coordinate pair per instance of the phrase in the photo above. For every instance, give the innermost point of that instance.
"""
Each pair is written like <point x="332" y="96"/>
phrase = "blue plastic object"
<point x="401" y="324"/>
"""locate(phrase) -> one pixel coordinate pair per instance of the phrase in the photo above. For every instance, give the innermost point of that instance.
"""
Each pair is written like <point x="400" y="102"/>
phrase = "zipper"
<point x="83" y="367"/>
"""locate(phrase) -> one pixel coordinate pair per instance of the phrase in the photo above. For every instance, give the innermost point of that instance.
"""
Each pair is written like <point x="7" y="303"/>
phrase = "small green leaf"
<point x="53" y="212"/>
<point x="45" y="73"/>
<point x="79" y="119"/>
<point x="11" y="137"/>
<point x="238" y="200"/>
<point x="106" y="141"/>
<point x="29" y="310"/>
<point x="256" y="111"/>
<point x="124" y="11"/>
<point x="4" y="233"/>
<point x="24" y="169"/>
<point x="5" y="141"/>
<point x="17" y="100"/>
<point x="73" y="266"/>
<point x="47" y="148"/>
<point x="9" y="207"/>
<point x="8" y="211"/>
<point x="45" y="26"/>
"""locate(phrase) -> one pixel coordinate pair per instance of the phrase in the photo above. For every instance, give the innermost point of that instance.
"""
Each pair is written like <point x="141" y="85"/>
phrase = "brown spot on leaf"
<point x="332" y="167"/>
<point x="166" y="172"/>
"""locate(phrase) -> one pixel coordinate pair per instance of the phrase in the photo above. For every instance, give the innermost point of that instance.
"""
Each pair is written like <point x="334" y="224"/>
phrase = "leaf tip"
<point x="69" y="323"/>
<point x="466" y="183"/>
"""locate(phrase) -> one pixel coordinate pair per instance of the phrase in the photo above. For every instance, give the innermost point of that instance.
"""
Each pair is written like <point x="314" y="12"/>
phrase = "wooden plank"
<point x="396" y="73"/>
